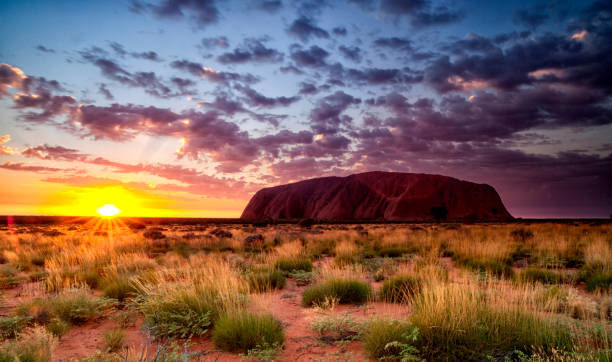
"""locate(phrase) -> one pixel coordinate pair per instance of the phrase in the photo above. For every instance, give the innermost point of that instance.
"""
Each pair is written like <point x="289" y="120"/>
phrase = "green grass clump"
<point x="599" y="282"/>
<point x="9" y="277"/>
<point x="493" y="267"/>
<point x="241" y="331"/>
<point x="114" y="339"/>
<point x="293" y="263"/>
<point x="263" y="281"/>
<point x="540" y="275"/>
<point x="400" y="289"/>
<point x="73" y="307"/>
<point x="119" y="287"/>
<point x="598" y="278"/>
<point x="182" y="313"/>
<point x="383" y="338"/>
<point x="340" y="290"/>
<point x="10" y="327"/>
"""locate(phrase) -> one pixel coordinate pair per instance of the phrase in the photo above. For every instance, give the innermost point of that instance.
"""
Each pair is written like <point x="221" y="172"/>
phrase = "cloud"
<point x="304" y="29"/>
<point x="6" y="150"/>
<point x="256" y="99"/>
<point x="351" y="53"/>
<point x="314" y="57"/>
<point x="211" y="75"/>
<point x="532" y="18"/>
<point x="149" y="81"/>
<point x="327" y="115"/>
<point x="270" y="6"/>
<point x="202" y="12"/>
<point x="105" y="92"/>
<point x="420" y="13"/>
<point x="20" y="166"/>
<point x="215" y="42"/>
<point x="44" y="49"/>
<point x="57" y="153"/>
<point x="253" y="50"/>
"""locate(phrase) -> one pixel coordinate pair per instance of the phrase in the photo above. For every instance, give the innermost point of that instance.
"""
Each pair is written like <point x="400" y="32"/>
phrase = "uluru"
<point x="377" y="195"/>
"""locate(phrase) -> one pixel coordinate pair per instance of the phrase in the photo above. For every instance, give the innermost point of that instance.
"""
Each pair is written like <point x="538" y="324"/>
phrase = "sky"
<point x="186" y="108"/>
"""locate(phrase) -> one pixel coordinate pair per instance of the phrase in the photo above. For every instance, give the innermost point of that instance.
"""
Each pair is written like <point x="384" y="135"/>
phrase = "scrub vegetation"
<point x="473" y="292"/>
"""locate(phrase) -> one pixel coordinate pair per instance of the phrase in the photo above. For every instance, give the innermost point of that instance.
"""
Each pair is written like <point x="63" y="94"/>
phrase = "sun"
<point x="108" y="210"/>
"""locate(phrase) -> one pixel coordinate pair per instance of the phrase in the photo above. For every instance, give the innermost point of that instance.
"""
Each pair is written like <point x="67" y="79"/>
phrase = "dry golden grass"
<point x="471" y="292"/>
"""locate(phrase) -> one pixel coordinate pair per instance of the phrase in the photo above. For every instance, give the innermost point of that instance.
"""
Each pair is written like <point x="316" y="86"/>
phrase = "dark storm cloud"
<point x="202" y="12"/>
<point x="199" y="70"/>
<point x="253" y="50"/>
<point x="304" y="29"/>
<point x="351" y="52"/>
<point x="44" y="49"/>
<point x="420" y="13"/>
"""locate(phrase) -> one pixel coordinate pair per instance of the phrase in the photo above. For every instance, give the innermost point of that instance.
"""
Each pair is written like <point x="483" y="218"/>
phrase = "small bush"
<point x="243" y="331"/>
<point x="71" y="306"/>
<point x="301" y="277"/>
<point x="119" y="287"/>
<point x="343" y="291"/>
<point x="182" y="317"/>
<point x="544" y="276"/>
<point x="77" y="307"/>
<point x="496" y="268"/>
<point x="599" y="282"/>
<point x="400" y="289"/>
<point x="35" y="345"/>
<point x="264" y="281"/>
<point x="114" y="339"/>
<point x="380" y="337"/>
<point x="331" y="328"/>
<point x="293" y="263"/>
<point x="10" y="327"/>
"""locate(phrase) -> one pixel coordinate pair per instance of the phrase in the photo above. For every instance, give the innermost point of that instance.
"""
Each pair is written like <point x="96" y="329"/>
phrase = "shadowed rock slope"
<point x="392" y="196"/>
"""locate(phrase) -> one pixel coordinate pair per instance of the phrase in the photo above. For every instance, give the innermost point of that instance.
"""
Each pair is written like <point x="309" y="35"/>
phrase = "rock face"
<point x="378" y="195"/>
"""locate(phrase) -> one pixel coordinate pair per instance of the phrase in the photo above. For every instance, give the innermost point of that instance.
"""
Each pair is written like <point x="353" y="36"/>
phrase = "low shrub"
<point x="331" y="328"/>
<point x="400" y="289"/>
<point x="496" y="268"/>
<point x="544" y="276"/>
<point x="114" y="339"/>
<point x="183" y="314"/>
<point x="599" y="282"/>
<point x="343" y="291"/>
<point x="34" y="345"/>
<point x="387" y="339"/>
<point x="290" y="264"/>
<point x="243" y="331"/>
<point x="462" y="322"/>
<point x="10" y="327"/>
<point x="188" y="308"/>
<point x="119" y="287"/>
<point x="263" y="281"/>
<point x="73" y="306"/>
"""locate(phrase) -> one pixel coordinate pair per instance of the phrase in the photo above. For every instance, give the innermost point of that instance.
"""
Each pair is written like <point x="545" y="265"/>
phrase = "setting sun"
<point x="108" y="210"/>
